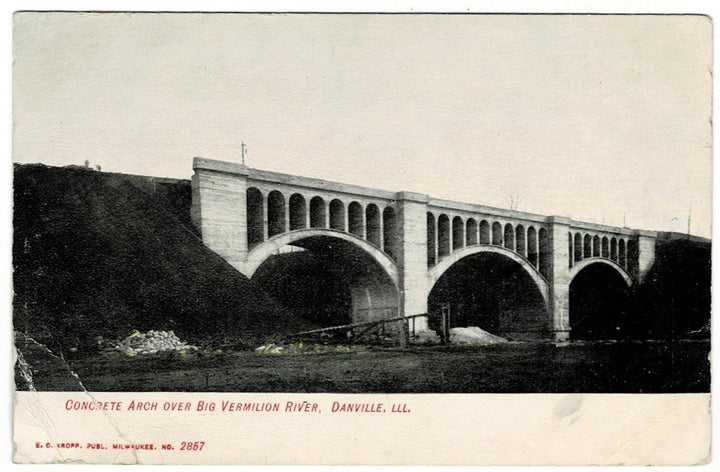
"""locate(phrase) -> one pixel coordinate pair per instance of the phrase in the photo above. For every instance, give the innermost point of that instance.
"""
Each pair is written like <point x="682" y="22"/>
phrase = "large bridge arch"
<point x="436" y="272"/>
<point x="599" y="305"/>
<point x="362" y="281"/>
<point x="578" y="267"/>
<point x="263" y="251"/>
<point x="493" y="288"/>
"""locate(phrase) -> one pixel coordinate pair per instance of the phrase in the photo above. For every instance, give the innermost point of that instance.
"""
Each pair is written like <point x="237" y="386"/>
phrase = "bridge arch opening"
<point x="596" y="246"/>
<point x="431" y="239"/>
<point x="605" y="251"/>
<point x="532" y="253"/>
<point x="544" y="252"/>
<point x="337" y="215"/>
<point x="389" y="232"/>
<point x="328" y="278"/>
<point x="298" y="212"/>
<point x="443" y="235"/>
<point x="492" y="291"/>
<point x="509" y="237"/>
<point x="613" y="249"/>
<point x="372" y="222"/>
<point x="621" y="254"/>
<point x="484" y="232"/>
<point x="317" y="213"/>
<point x="520" y="246"/>
<point x="587" y="247"/>
<point x="276" y="213"/>
<point x="458" y="231"/>
<point x="599" y="302"/>
<point x="578" y="250"/>
<point x="471" y="238"/>
<point x="255" y="210"/>
<point x="497" y="234"/>
<point x="356" y="220"/>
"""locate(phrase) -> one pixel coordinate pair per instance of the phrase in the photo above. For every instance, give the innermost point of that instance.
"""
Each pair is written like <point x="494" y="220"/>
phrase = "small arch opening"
<point x="509" y="237"/>
<point x="613" y="249"/>
<point x="255" y="210"/>
<point x="596" y="246"/>
<point x="587" y="246"/>
<point x="389" y="232"/>
<point x="578" y="250"/>
<point x="337" y="215"/>
<point x="458" y="231"/>
<point x="276" y="213"/>
<point x="484" y="232"/>
<point x="317" y="213"/>
<point x="544" y="252"/>
<point x="532" y="246"/>
<point x="356" y="221"/>
<point x="497" y="234"/>
<point x="605" y="247"/>
<point x="443" y="235"/>
<point x="471" y="229"/>
<point x="298" y="212"/>
<point x="372" y="221"/>
<point x="431" y="239"/>
<point x="520" y="246"/>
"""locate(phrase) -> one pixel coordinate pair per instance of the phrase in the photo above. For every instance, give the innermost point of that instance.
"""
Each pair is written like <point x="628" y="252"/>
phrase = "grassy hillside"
<point x="674" y="300"/>
<point x="98" y="254"/>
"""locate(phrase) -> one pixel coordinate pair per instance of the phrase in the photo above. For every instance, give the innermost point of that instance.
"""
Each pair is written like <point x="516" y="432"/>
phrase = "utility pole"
<point x="243" y="148"/>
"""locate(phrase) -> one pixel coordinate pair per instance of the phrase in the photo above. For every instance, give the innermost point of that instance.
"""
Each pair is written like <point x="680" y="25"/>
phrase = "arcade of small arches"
<point x="446" y="235"/>
<point x="272" y="214"/>
<point x="586" y="246"/>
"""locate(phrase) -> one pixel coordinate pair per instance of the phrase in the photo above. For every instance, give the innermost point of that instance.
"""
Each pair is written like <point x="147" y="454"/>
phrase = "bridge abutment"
<point x="219" y="208"/>
<point x="642" y="254"/>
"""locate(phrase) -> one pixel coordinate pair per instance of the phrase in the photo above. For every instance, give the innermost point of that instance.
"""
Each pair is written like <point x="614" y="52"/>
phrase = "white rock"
<point x="473" y="335"/>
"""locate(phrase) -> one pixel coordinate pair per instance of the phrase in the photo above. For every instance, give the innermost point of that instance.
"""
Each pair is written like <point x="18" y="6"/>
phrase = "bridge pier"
<point x="412" y="255"/>
<point x="558" y="276"/>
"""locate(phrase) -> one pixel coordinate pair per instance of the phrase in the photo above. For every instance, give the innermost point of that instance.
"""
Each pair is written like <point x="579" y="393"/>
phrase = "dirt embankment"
<point x="98" y="255"/>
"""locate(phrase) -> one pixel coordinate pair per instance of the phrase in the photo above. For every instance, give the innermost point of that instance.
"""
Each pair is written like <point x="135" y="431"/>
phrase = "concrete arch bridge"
<point x="355" y="254"/>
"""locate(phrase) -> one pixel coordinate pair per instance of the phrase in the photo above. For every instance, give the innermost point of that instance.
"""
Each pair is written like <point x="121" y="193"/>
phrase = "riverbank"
<point x="582" y="367"/>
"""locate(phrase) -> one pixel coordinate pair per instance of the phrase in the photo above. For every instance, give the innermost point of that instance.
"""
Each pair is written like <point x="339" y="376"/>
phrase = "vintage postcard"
<point x="361" y="239"/>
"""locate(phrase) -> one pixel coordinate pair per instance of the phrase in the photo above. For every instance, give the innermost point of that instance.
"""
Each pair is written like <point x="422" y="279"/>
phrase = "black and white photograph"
<point x="340" y="216"/>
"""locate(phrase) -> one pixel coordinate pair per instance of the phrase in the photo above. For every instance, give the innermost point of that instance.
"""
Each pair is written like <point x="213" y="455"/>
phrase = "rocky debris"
<point x="473" y="335"/>
<point x="152" y="342"/>
<point x="302" y="348"/>
<point x="271" y="348"/>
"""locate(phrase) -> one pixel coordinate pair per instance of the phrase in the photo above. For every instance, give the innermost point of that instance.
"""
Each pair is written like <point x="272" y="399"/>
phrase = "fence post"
<point x="445" y="323"/>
